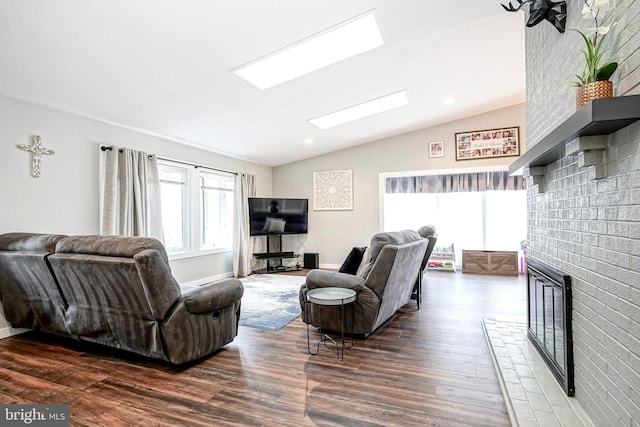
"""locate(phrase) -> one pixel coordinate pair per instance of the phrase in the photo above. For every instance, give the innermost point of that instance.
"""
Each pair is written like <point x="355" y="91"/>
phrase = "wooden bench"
<point x="490" y="262"/>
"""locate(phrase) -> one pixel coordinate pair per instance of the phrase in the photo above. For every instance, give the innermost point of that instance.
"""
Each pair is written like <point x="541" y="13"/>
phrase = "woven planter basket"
<point x="595" y="90"/>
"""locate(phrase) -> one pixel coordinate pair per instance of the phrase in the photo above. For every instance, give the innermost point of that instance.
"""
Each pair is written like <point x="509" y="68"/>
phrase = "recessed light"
<point x="449" y="100"/>
<point x="308" y="141"/>
<point x="351" y="38"/>
<point x="359" y="111"/>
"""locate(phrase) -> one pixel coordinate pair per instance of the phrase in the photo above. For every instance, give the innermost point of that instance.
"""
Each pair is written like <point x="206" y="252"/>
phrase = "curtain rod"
<point x="120" y="150"/>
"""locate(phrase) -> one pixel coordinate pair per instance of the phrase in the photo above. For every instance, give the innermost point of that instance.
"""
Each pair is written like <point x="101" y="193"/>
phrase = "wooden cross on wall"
<point x="37" y="149"/>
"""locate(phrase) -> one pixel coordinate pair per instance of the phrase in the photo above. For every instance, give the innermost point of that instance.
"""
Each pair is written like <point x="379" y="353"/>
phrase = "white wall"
<point x="65" y="198"/>
<point x="333" y="233"/>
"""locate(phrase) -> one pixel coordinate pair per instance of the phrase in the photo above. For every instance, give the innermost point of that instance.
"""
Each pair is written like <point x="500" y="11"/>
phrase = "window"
<point x="217" y="210"/>
<point x="484" y="220"/>
<point x="173" y="190"/>
<point x="197" y="208"/>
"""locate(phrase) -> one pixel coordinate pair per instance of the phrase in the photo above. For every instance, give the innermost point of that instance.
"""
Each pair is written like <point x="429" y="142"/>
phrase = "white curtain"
<point x="245" y="187"/>
<point x="131" y="202"/>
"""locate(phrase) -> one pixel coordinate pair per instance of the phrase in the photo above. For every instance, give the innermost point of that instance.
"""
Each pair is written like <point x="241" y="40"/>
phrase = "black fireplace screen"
<point x="549" y="325"/>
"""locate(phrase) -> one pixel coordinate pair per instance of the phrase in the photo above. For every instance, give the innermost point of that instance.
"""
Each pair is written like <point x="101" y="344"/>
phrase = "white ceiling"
<point x="162" y="67"/>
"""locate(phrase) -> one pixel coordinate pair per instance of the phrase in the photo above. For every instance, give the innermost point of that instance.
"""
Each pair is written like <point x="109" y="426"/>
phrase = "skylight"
<point x="338" y="43"/>
<point x="369" y="108"/>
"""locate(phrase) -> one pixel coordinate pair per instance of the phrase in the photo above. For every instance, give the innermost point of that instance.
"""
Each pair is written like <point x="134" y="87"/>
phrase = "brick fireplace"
<point x="584" y="215"/>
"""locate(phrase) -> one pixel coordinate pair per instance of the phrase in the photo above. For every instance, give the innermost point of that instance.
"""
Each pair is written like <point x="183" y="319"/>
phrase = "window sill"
<point x="195" y="254"/>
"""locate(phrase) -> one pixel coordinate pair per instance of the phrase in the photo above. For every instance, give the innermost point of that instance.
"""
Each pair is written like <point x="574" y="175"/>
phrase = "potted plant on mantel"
<point x="594" y="81"/>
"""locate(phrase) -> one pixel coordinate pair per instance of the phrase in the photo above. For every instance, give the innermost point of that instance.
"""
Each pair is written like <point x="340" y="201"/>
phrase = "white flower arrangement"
<point x="595" y="68"/>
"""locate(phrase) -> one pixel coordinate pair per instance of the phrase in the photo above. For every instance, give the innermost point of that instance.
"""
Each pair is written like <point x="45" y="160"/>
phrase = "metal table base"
<point x="330" y="297"/>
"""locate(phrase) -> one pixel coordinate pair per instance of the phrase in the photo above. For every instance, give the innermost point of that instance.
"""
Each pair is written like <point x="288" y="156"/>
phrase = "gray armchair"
<point x="382" y="287"/>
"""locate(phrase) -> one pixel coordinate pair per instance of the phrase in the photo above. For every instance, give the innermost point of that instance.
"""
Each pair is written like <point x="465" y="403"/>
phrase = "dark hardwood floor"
<point x="422" y="368"/>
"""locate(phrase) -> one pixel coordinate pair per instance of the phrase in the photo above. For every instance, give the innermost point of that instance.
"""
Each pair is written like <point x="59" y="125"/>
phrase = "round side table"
<point x="331" y="297"/>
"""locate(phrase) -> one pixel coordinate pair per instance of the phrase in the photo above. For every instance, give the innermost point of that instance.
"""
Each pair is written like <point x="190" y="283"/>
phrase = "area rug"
<point x="270" y="301"/>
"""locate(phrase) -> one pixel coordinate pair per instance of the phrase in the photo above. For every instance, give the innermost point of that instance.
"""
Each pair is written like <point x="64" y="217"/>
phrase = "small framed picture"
<point x="436" y="149"/>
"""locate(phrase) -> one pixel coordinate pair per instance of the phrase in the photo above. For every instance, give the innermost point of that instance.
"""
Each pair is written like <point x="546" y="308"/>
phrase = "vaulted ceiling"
<point x="163" y="67"/>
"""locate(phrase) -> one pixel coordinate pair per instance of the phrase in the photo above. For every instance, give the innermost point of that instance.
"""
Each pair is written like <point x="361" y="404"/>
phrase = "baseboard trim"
<point x="205" y="280"/>
<point x="9" y="332"/>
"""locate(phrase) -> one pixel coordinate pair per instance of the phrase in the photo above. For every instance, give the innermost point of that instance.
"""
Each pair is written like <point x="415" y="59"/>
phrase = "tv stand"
<point x="274" y="257"/>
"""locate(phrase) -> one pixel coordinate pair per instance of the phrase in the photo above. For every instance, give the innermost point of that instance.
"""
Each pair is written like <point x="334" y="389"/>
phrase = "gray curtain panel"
<point x="245" y="187"/>
<point x="464" y="182"/>
<point x="131" y="201"/>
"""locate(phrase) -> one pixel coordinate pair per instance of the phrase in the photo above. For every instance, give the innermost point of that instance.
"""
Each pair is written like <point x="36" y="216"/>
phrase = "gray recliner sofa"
<point x="427" y="232"/>
<point x="383" y="286"/>
<point x="116" y="291"/>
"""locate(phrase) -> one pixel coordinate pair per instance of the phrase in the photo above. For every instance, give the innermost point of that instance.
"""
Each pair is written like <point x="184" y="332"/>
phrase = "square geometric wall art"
<point x="333" y="190"/>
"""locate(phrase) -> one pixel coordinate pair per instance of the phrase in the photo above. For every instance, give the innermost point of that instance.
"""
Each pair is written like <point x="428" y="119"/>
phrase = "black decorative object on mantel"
<point x="554" y="12"/>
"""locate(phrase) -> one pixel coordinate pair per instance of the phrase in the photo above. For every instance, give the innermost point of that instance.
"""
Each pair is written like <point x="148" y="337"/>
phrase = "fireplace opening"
<point x="549" y="320"/>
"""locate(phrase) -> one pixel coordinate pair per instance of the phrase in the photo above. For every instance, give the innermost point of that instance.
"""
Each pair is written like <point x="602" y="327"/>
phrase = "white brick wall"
<point x="591" y="228"/>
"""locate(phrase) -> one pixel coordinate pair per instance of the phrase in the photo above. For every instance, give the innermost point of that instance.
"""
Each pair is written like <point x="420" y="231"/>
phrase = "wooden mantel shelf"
<point x="598" y="117"/>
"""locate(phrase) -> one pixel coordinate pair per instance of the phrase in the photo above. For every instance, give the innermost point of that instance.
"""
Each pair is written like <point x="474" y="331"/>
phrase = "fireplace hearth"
<point x="549" y="320"/>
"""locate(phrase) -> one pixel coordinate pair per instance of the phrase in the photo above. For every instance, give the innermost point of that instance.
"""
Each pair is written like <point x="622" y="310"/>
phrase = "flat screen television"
<point x="273" y="215"/>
